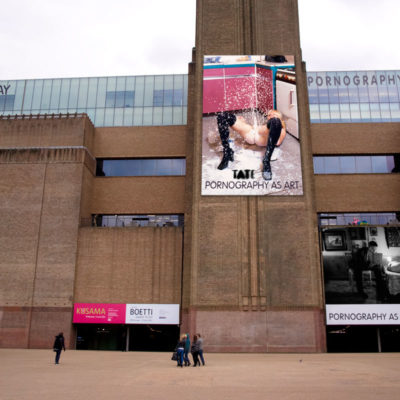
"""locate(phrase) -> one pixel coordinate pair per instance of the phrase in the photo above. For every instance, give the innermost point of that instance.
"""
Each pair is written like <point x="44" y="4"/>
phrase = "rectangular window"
<point x="120" y="99"/>
<point x="7" y="102"/>
<point x="136" y="221"/>
<point x="332" y="165"/>
<point x="178" y="95"/>
<point x="37" y="95"/>
<point x="158" y="97"/>
<point x="333" y="96"/>
<point x="141" y="167"/>
<point x="374" y="164"/>
<point x="314" y="113"/>
<point x="347" y="164"/>
<point x="83" y="92"/>
<point x="313" y="96"/>
<point x="45" y="105"/>
<point x="379" y="164"/>
<point x="325" y="219"/>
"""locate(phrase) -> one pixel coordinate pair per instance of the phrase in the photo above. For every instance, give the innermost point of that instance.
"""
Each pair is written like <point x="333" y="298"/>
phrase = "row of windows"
<point x="356" y="164"/>
<point x="139" y="220"/>
<point x="324" y="219"/>
<point x="353" y="95"/>
<point x="142" y="167"/>
<point x="375" y="164"/>
<point x="161" y="98"/>
<point x="359" y="218"/>
<point x="353" y="87"/>
<point x="335" y="97"/>
<point x="366" y="164"/>
<point x="92" y="94"/>
<point x="138" y="116"/>
<point x="163" y="220"/>
<point x="341" y="113"/>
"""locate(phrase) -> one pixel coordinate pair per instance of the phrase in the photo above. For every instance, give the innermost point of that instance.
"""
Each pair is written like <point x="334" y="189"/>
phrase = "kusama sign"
<point x="102" y="313"/>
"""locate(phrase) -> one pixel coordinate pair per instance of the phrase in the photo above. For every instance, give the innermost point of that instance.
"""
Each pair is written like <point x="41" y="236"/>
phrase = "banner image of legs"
<point x="362" y="275"/>
<point x="250" y="126"/>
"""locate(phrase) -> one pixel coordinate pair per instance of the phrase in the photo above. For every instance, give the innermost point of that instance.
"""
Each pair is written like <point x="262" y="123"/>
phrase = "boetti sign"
<point x="100" y="313"/>
<point x="159" y="314"/>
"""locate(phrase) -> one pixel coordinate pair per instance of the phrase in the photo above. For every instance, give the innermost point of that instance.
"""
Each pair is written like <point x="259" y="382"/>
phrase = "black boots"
<point x="275" y="127"/>
<point x="228" y="156"/>
<point x="225" y="120"/>
<point x="266" y="171"/>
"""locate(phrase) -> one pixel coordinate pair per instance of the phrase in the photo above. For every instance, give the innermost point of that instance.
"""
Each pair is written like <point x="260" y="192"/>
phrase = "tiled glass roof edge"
<point x="88" y="77"/>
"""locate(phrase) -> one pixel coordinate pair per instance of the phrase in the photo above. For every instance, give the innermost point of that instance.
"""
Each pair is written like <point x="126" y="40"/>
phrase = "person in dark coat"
<point x="200" y="346"/>
<point x="58" y="346"/>
<point x="195" y="351"/>
<point x="180" y="348"/>
<point x="363" y="260"/>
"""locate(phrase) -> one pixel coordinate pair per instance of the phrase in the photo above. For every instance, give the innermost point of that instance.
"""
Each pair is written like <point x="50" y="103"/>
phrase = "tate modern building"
<point x="250" y="200"/>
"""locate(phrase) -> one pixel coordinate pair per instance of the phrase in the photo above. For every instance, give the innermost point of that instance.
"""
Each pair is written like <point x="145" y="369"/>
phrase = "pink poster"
<point x="95" y="313"/>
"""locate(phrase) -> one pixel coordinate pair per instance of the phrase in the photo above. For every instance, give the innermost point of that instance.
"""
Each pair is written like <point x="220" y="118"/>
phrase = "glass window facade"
<point x="371" y="164"/>
<point x="139" y="220"/>
<point x="141" y="167"/>
<point x="392" y="218"/>
<point x="354" y="96"/>
<point x="334" y="97"/>
<point x="109" y="101"/>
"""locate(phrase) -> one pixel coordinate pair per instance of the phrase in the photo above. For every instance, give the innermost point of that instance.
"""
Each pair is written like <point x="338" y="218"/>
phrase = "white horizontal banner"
<point x="363" y="314"/>
<point x="158" y="314"/>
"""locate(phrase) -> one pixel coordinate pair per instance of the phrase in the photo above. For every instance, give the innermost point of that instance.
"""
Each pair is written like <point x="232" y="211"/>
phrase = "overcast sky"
<point x="74" y="38"/>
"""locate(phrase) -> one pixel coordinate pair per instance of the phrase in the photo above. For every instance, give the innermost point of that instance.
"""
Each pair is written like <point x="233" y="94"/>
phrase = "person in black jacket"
<point x="180" y="348"/>
<point x="363" y="260"/>
<point x="58" y="346"/>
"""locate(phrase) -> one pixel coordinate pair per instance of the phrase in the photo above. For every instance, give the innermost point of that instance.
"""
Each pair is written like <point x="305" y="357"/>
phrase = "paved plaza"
<point x="96" y="375"/>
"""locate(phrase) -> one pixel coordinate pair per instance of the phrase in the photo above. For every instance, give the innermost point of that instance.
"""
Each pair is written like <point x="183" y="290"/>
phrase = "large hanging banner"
<point x="158" y="314"/>
<point x="362" y="275"/>
<point x="250" y="129"/>
<point x="101" y="313"/>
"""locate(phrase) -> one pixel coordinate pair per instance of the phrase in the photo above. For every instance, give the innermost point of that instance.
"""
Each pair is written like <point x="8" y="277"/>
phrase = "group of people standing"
<point x="184" y="347"/>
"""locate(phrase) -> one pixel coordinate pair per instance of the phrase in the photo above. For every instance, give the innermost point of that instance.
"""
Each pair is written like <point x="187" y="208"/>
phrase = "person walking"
<point x="200" y="347"/>
<point x="186" y="352"/>
<point x="58" y="346"/>
<point x="195" y="351"/>
<point x="180" y="348"/>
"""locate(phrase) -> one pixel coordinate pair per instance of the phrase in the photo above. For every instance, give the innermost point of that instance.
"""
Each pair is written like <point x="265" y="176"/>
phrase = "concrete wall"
<point x="43" y="132"/>
<point x="129" y="265"/>
<point x="252" y="275"/>
<point x="361" y="138"/>
<point x="141" y="141"/>
<point x="357" y="192"/>
<point x="138" y="195"/>
<point x="48" y="188"/>
<point x="40" y="202"/>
